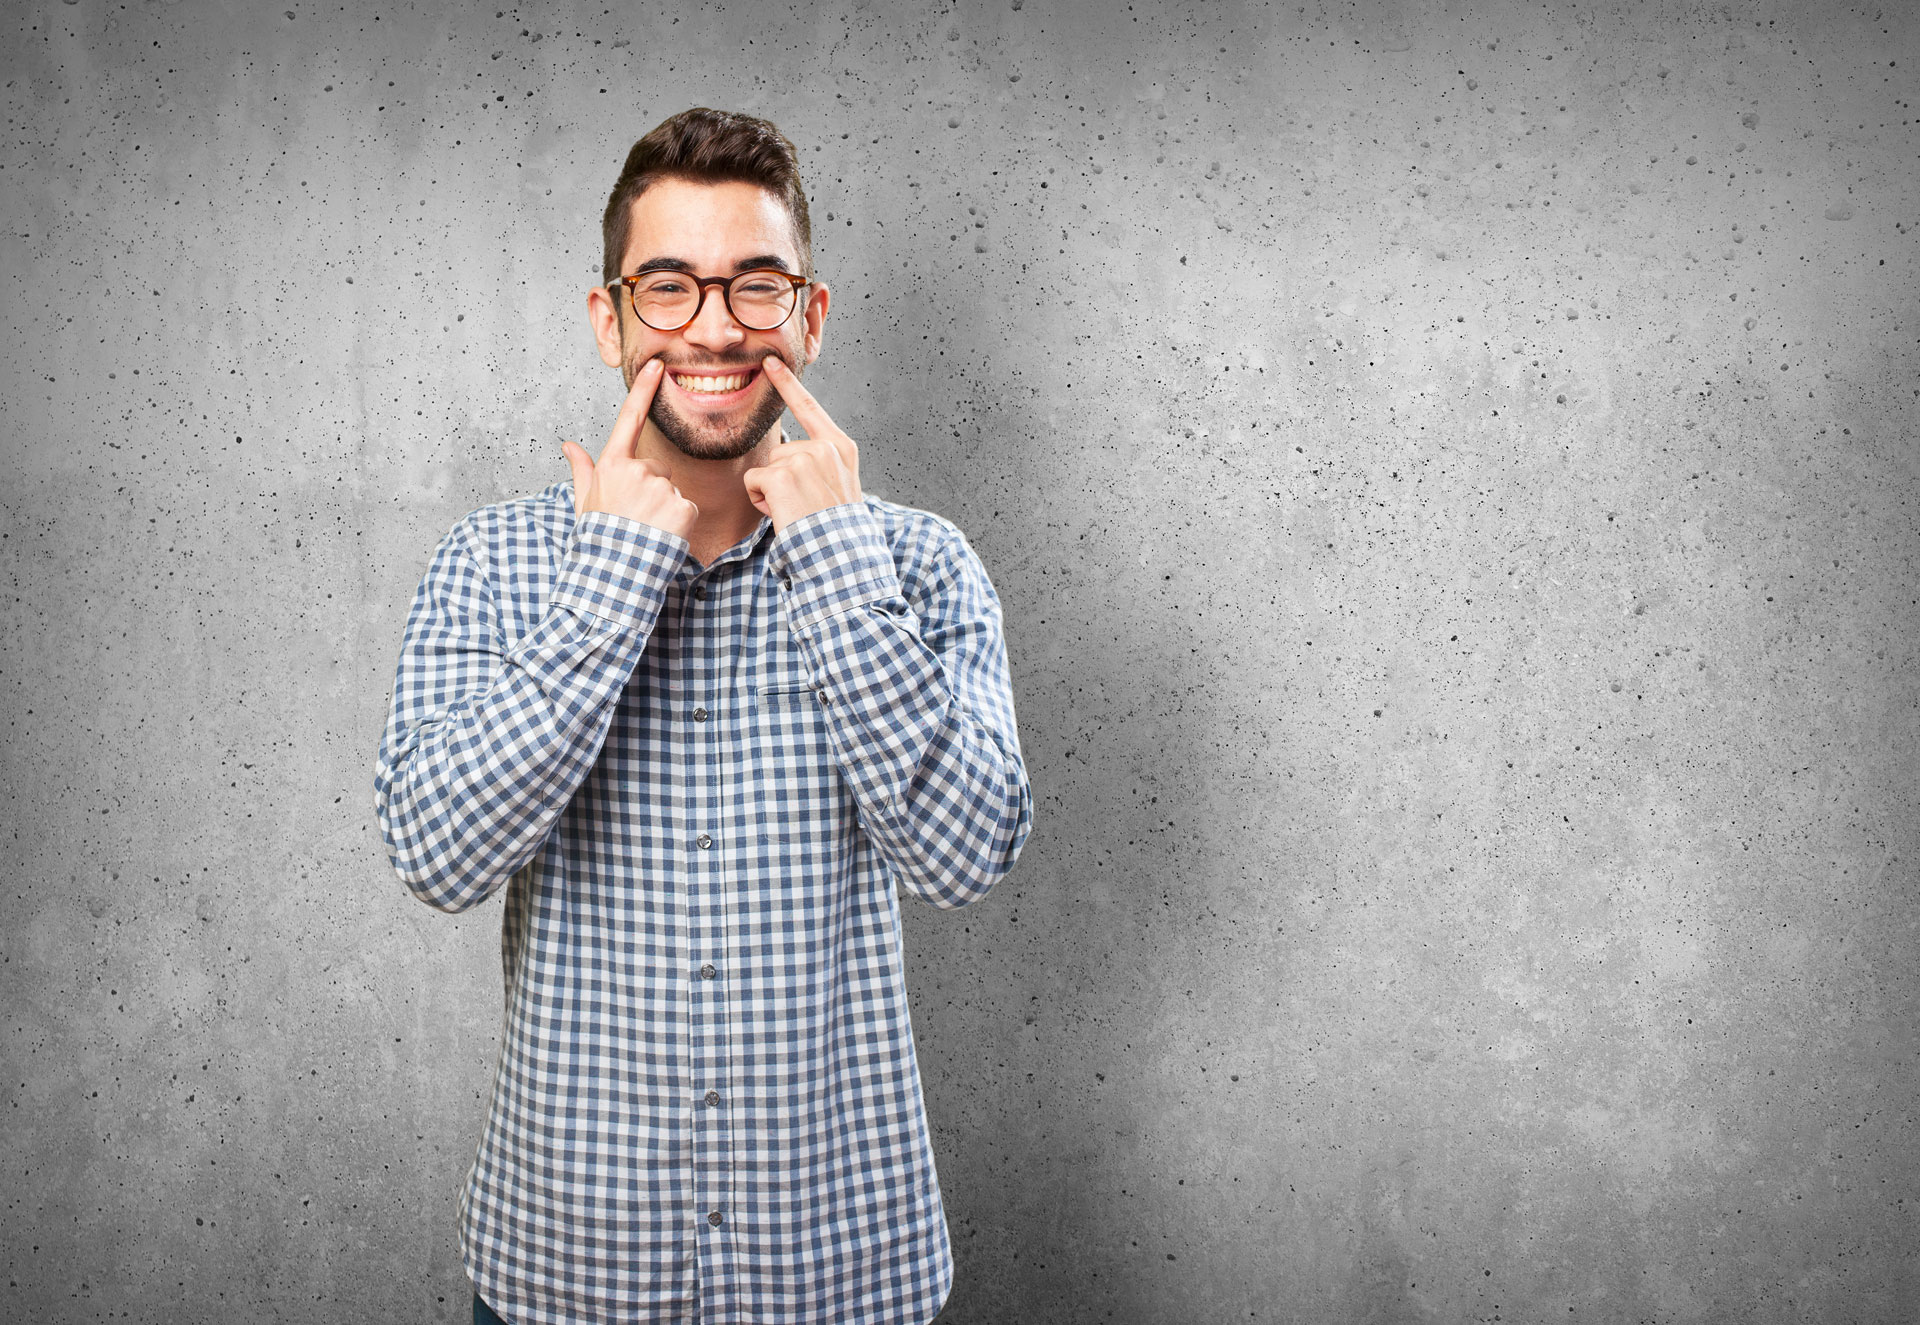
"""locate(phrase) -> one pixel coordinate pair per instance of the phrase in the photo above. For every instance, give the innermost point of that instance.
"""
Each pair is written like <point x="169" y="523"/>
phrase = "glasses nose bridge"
<point x="725" y="301"/>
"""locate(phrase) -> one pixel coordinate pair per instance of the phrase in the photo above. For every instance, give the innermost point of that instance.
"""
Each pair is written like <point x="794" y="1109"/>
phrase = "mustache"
<point x="732" y="359"/>
<point x="722" y="361"/>
<point x="740" y="358"/>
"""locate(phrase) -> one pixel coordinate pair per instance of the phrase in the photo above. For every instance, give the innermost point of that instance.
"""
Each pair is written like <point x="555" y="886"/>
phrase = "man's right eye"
<point x="663" y="285"/>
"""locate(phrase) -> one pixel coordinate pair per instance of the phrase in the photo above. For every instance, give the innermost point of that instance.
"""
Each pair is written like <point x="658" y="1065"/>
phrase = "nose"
<point x="713" y="327"/>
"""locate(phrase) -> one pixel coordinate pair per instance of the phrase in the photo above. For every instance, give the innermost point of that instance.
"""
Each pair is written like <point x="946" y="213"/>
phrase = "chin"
<point x="717" y="441"/>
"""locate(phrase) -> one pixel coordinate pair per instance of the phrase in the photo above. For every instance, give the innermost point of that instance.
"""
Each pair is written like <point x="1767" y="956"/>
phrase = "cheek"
<point x="796" y="345"/>
<point x="634" y="353"/>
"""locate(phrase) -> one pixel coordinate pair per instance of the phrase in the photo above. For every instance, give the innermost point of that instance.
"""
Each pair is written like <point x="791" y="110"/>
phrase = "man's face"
<point x="710" y="230"/>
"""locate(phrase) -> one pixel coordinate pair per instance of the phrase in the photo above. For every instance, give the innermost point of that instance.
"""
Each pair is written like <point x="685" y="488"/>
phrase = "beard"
<point x="699" y="439"/>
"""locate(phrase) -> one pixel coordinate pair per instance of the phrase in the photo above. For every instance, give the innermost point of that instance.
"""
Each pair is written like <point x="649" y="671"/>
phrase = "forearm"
<point x="940" y="796"/>
<point x="466" y="797"/>
<point x="920" y="711"/>
<point x="489" y="739"/>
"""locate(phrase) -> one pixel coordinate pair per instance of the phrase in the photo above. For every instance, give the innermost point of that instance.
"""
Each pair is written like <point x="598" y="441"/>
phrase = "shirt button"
<point x="707" y="972"/>
<point x="715" y="1219"/>
<point x="704" y="841"/>
<point x="823" y="697"/>
<point x="699" y="591"/>
<point x="699" y="715"/>
<point x="785" y="582"/>
<point x="713" y="1099"/>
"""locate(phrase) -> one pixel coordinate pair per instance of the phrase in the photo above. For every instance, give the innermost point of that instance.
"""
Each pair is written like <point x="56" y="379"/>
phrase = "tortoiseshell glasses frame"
<point x="785" y="303"/>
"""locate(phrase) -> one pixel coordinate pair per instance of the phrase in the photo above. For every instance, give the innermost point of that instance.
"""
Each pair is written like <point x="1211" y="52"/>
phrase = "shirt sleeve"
<point x="489" y="737"/>
<point x="919" y="702"/>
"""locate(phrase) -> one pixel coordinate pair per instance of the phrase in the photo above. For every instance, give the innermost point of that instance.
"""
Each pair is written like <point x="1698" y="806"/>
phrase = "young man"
<point x="697" y="713"/>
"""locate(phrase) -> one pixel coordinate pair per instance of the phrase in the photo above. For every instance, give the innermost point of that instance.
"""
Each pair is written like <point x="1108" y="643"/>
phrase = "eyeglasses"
<point x="670" y="300"/>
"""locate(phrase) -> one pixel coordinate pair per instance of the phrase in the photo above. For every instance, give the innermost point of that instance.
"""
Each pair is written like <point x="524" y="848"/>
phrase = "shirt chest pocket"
<point x="797" y="795"/>
<point x="781" y="689"/>
<point x="785" y="689"/>
<point x="782" y="678"/>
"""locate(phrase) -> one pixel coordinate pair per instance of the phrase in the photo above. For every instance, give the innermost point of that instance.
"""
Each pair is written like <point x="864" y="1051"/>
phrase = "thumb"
<point x="582" y="466"/>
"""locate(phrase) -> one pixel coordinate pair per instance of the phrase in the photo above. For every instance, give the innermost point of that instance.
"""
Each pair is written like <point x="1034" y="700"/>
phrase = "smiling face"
<point x="715" y="402"/>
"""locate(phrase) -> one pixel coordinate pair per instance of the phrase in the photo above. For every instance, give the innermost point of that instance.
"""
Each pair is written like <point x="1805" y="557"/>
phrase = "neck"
<point x="715" y="486"/>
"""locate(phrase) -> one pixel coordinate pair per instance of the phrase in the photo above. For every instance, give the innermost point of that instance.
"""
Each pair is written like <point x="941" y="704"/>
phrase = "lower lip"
<point x="717" y="399"/>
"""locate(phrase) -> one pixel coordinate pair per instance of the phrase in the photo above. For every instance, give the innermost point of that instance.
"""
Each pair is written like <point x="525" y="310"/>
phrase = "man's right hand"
<point x="622" y="483"/>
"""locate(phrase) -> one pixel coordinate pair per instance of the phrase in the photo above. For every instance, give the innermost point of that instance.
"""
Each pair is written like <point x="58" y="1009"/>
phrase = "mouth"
<point x="714" y="389"/>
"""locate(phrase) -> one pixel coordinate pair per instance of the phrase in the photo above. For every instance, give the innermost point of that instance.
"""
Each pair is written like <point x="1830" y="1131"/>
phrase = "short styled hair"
<point x="707" y="147"/>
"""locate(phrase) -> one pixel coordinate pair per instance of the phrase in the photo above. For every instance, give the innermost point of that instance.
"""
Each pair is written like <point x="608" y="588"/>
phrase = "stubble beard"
<point x="705" y="441"/>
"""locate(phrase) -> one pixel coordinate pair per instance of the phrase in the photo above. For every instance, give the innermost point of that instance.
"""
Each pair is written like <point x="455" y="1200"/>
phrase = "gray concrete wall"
<point x="1452" y="475"/>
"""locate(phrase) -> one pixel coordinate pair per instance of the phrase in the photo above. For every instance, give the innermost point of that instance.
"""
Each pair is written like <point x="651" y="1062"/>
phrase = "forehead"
<point x="711" y="226"/>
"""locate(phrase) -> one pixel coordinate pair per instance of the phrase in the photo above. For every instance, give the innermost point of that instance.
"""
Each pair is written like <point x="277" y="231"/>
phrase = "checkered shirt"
<point x="697" y="787"/>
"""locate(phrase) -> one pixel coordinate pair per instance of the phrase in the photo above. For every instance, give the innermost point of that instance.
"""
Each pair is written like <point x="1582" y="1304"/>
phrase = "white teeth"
<point x="712" y="385"/>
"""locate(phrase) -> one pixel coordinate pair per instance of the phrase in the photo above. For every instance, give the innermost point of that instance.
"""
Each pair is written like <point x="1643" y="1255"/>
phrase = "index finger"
<point x="624" y="440"/>
<point x="800" y="400"/>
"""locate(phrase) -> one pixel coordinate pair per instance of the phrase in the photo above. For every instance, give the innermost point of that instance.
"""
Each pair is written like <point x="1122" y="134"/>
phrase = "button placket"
<point x="701" y="675"/>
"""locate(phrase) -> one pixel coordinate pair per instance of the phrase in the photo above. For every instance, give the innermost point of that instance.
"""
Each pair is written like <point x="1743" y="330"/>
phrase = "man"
<point x="697" y="713"/>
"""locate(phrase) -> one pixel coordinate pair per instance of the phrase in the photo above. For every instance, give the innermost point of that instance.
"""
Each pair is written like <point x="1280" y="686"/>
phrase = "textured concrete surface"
<point x="1452" y="474"/>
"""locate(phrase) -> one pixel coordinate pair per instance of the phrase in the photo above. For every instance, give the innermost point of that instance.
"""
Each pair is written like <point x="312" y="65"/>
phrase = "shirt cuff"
<point x="834" y="561"/>
<point x="618" y="569"/>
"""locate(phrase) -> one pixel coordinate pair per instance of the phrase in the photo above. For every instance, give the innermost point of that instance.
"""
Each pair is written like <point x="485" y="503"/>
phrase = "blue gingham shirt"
<point x="698" y="787"/>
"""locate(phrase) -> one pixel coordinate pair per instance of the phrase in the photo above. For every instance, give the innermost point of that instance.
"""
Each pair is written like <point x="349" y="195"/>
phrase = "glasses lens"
<point x="665" y="300"/>
<point x="761" y="300"/>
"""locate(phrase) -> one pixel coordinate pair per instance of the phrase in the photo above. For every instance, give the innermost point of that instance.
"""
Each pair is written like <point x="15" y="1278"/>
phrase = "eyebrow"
<point x="763" y="262"/>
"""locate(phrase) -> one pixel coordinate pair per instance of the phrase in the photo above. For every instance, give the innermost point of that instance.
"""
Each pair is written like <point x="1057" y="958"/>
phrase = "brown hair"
<point x="707" y="147"/>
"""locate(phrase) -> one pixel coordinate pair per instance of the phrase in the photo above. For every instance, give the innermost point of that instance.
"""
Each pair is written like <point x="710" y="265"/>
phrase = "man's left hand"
<point x="806" y="474"/>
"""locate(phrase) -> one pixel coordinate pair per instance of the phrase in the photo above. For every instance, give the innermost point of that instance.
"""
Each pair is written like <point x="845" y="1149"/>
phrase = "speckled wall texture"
<point x="1451" y="471"/>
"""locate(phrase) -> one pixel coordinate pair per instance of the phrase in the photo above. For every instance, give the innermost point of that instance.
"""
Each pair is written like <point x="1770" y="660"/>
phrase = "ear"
<point x="604" y="314"/>
<point x="816" y="317"/>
